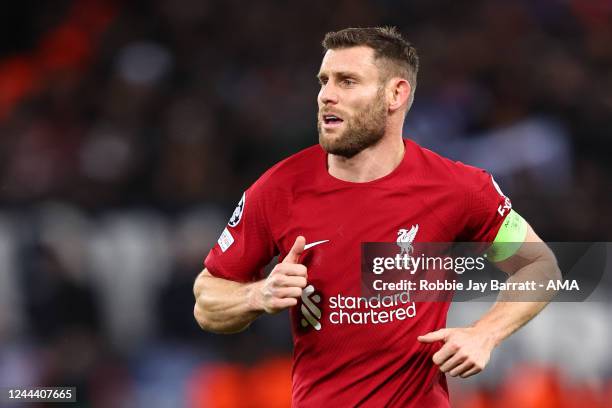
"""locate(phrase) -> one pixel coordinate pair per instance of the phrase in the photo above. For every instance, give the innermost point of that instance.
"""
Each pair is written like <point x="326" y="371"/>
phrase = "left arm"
<point x="466" y="351"/>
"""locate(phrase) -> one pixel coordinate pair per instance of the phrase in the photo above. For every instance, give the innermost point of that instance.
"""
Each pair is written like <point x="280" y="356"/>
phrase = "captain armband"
<point x="509" y="239"/>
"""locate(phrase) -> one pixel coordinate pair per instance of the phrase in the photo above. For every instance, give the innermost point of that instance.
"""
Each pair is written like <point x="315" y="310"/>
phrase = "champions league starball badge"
<point x="237" y="215"/>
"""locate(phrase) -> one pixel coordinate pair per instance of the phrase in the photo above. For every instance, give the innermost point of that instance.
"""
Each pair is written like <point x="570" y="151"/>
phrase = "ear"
<point x="398" y="93"/>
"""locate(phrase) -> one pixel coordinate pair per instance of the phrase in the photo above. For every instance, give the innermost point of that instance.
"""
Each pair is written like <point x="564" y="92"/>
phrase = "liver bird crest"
<point x="405" y="238"/>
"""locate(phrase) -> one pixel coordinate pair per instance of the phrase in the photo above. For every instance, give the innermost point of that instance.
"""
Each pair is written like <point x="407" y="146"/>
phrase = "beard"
<point x="364" y="128"/>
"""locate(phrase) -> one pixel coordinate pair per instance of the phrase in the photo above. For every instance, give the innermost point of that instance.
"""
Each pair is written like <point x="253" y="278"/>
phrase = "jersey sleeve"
<point x="485" y="206"/>
<point x="246" y="245"/>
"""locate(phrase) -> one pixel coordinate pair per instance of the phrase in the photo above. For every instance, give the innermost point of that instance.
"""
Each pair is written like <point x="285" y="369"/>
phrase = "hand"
<point x="283" y="287"/>
<point x="466" y="351"/>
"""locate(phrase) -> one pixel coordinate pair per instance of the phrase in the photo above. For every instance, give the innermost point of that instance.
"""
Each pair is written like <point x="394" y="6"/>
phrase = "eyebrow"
<point x="340" y="74"/>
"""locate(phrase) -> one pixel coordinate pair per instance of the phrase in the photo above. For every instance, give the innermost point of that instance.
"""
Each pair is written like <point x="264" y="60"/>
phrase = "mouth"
<point x="331" y="121"/>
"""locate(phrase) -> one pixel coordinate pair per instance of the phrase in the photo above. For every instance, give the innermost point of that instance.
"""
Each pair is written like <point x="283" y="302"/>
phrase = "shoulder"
<point x="291" y="171"/>
<point x="266" y="203"/>
<point x="476" y="206"/>
<point x="448" y="171"/>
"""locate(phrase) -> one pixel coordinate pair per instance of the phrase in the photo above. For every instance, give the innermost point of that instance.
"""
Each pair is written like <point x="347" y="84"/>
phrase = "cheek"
<point x="357" y="107"/>
<point x="364" y="100"/>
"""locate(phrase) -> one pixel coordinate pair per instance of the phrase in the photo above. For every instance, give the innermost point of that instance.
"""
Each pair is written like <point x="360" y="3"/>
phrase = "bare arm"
<point x="225" y="306"/>
<point x="533" y="262"/>
<point x="467" y="351"/>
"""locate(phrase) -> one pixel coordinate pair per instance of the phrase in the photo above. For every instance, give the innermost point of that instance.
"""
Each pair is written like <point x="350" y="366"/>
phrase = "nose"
<point x="328" y="94"/>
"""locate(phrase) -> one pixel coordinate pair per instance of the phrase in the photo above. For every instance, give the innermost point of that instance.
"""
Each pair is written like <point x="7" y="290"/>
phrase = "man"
<point x="363" y="183"/>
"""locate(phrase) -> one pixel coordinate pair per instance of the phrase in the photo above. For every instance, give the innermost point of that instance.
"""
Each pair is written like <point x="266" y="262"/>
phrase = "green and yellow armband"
<point x="509" y="239"/>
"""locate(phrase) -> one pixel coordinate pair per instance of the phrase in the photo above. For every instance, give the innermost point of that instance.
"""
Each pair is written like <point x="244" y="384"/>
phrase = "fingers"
<point x="452" y="362"/>
<point x="438" y="335"/>
<point x="291" y="270"/>
<point x="287" y="282"/>
<point x="461" y="368"/>
<point x="471" y="372"/>
<point x="465" y="369"/>
<point x="276" y="305"/>
<point x="446" y="352"/>
<point x="296" y="251"/>
<point x="293" y="292"/>
<point x="292" y="281"/>
<point x="464" y="352"/>
<point x="277" y="298"/>
<point x="283" y="287"/>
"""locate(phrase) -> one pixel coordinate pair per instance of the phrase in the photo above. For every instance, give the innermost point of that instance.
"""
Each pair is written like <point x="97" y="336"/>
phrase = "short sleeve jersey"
<point x="341" y="361"/>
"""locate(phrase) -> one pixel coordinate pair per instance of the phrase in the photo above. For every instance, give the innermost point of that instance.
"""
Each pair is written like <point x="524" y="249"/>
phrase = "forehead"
<point x="359" y="60"/>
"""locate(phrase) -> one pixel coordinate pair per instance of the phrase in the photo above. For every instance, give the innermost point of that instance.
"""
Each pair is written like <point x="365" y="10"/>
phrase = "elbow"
<point x="200" y="318"/>
<point x="210" y="312"/>
<point x="199" y="309"/>
<point x="556" y="272"/>
<point x="203" y="318"/>
<point x="553" y="272"/>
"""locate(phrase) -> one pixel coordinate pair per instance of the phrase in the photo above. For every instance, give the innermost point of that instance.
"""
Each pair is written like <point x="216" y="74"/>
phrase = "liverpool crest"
<point x="405" y="238"/>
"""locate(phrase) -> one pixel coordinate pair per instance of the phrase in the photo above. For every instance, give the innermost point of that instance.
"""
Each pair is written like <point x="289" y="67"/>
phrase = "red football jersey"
<point x="342" y="356"/>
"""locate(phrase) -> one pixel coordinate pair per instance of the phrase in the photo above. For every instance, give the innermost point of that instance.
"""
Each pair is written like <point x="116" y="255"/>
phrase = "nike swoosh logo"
<point x="308" y="246"/>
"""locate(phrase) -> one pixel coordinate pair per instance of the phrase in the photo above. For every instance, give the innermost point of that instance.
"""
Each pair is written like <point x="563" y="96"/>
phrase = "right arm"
<point x="225" y="306"/>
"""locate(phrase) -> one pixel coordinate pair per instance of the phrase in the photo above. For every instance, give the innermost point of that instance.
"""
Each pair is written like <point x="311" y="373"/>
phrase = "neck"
<point x="371" y="163"/>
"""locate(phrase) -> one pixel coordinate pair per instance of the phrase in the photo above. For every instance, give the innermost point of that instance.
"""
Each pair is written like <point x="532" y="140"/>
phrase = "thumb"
<point x="296" y="250"/>
<point x="438" y="335"/>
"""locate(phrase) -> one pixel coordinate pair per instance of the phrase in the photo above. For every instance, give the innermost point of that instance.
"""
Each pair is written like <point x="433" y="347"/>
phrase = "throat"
<point x="368" y="165"/>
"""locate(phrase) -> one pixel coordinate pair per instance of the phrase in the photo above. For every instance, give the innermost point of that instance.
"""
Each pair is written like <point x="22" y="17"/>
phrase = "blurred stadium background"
<point x="130" y="129"/>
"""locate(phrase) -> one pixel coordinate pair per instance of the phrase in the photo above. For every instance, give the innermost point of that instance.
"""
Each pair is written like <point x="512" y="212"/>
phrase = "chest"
<point x="335" y="225"/>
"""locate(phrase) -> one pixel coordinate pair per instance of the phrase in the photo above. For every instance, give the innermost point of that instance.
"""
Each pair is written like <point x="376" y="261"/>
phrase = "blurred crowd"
<point x="128" y="131"/>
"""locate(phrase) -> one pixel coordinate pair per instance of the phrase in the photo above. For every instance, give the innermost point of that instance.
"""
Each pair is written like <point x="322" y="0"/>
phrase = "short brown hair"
<point x="399" y="56"/>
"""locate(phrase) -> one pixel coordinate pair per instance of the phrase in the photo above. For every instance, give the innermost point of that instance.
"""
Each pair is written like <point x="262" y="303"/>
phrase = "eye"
<point x="348" y="82"/>
<point x="322" y="81"/>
